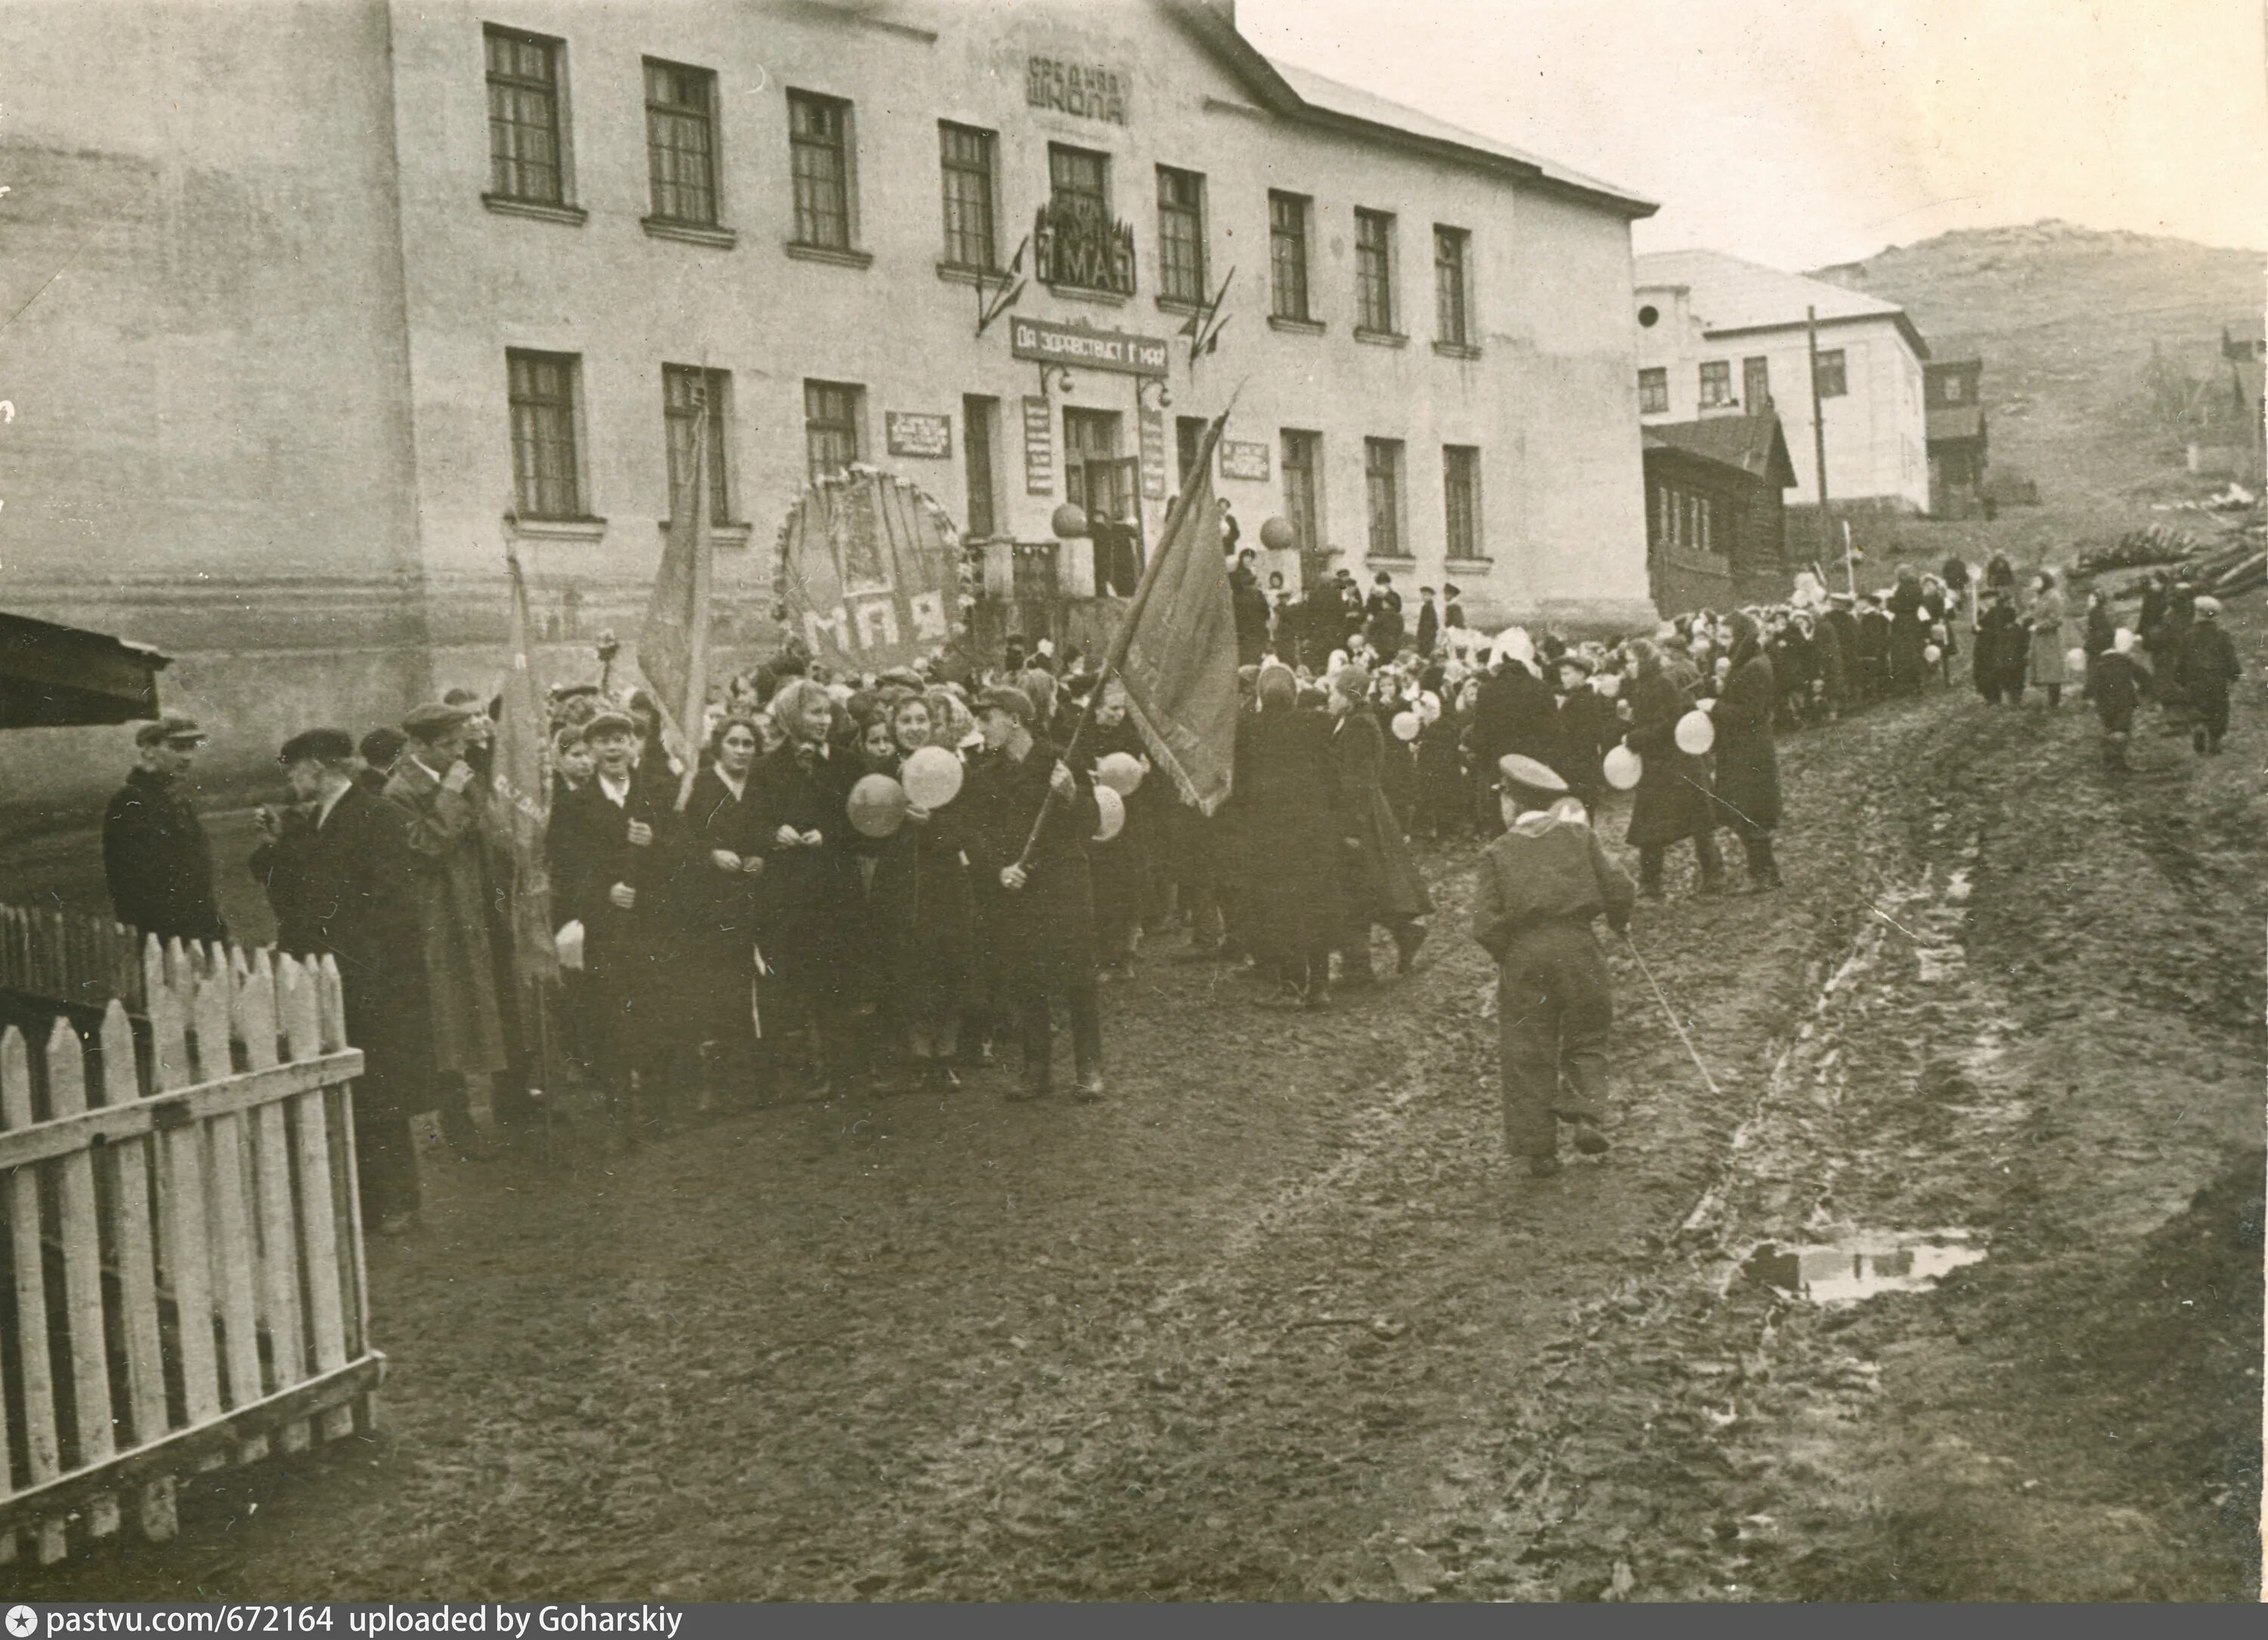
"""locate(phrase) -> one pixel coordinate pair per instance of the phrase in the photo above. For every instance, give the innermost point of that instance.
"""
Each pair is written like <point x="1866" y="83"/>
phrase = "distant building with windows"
<point x="347" y="298"/>
<point x="1720" y="337"/>
<point x="1958" y="444"/>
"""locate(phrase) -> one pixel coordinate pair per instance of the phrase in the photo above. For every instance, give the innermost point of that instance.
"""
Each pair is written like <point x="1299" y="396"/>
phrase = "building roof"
<point x="1755" y="443"/>
<point x="1730" y="295"/>
<point x="1949" y="424"/>
<point x="1298" y="93"/>
<point x="54" y="677"/>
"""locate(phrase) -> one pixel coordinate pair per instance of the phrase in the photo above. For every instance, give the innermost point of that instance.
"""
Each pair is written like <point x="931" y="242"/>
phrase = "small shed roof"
<point x="1755" y="443"/>
<point x="54" y="677"/>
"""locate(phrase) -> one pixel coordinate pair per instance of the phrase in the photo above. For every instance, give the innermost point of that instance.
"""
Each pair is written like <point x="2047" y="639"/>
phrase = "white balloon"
<point x="1931" y="653"/>
<point x="1114" y="813"/>
<point x="931" y="777"/>
<point x="1623" y="768"/>
<point x="1697" y="732"/>
<point x="1429" y="707"/>
<point x="1406" y="725"/>
<point x="2076" y="659"/>
<point x="1120" y="771"/>
<point x="877" y="806"/>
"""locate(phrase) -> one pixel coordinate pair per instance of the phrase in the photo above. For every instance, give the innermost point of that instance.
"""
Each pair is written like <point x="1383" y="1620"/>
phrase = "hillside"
<point x="2065" y="318"/>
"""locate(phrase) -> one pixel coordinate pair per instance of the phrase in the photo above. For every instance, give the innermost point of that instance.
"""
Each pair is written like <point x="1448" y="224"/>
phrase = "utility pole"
<point x="1819" y="452"/>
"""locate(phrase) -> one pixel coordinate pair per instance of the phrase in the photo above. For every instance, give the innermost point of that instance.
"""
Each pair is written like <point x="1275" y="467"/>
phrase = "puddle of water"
<point x="1862" y="1264"/>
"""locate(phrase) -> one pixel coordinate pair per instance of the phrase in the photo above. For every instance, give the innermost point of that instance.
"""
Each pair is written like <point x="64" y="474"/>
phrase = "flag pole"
<point x="1116" y="657"/>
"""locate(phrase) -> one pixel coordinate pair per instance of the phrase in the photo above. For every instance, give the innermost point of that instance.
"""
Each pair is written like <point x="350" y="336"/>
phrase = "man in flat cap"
<point x="1043" y="912"/>
<point x="449" y="886"/>
<point x="357" y="870"/>
<point x="1539" y="886"/>
<point x="155" y="855"/>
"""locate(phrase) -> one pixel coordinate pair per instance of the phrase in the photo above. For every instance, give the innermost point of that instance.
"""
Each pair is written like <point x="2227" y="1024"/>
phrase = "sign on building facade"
<point x="1039" y="446"/>
<point x="1084" y="89"/>
<point x="1151" y="426"/>
<point x="911" y="432"/>
<point x="1243" y="459"/>
<point x="1076" y="346"/>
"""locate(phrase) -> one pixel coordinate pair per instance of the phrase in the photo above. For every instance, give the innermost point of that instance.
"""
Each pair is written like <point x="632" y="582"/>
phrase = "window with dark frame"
<point x="1654" y="391"/>
<point x="830" y="425"/>
<point x="1834" y="376"/>
<point x="527" y="153"/>
<point x="1079" y="181"/>
<point x="1180" y="235"/>
<point x="1287" y="255"/>
<point x="687" y="392"/>
<point x="681" y="141"/>
<point x="1381" y="469"/>
<point x="1755" y="383"/>
<point x="1373" y="269"/>
<point x="980" y="420"/>
<point x="965" y="163"/>
<point x="818" y="139"/>
<point x="1716" y="382"/>
<point x="546" y="468"/>
<point x="1461" y="496"/>
<point x="1302" y="461"/>
<point x="1452" y="297"/>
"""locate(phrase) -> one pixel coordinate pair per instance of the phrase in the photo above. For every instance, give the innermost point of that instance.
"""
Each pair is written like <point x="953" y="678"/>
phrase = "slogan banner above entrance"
<point x="1074" y="345"/>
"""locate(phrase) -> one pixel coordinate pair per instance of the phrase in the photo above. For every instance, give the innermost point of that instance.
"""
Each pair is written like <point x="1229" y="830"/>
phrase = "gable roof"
<point x="1755" y="443"/>
<point x="1731" y="295"/>
<point x="1313" y="99"/>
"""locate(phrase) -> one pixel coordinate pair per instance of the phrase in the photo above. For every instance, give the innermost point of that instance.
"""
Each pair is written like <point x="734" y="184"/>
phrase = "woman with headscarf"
<point x="812" y="896"/>
<point x="1381" y="885"/>
<point x="710" y="904"/>
<point x="1283" y="779"/>
<point x="2045" y="621"/>
<point x="1673" y="800"/>
<point x="923" y="912"/>
<point x="1748" y="767"/>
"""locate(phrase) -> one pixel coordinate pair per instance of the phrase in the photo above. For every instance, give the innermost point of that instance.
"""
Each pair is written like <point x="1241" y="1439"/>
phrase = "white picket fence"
<point x="181" y="1274"/>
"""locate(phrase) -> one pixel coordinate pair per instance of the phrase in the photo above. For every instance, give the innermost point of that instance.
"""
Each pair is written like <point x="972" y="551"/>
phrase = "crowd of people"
<point x="879" y="883"/>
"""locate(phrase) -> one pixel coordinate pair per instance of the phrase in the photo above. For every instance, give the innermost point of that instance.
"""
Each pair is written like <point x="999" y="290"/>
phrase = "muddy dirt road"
<point x="1278" y="1321"/>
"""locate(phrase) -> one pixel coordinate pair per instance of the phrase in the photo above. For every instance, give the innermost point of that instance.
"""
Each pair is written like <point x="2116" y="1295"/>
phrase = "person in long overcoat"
<point x="2003" y="650"/>
<point x="1382" y="881"/>
<point x="2206" y="667"/>
<point x="1673" y="801"/>
<point x="613" y="847"/>
<point x="2045" y="620"/>
<point x="1747" y="788"/>
<point x="156" y="857"/>
<point x="1031" y="816"/>
<point x="449" y="880"/>
<point x="355" y="870"/>
<point x="1516" y="715"/>
<point x="710" y="911"/>
<point x="1121" y="866"/>
<point x="1909" y="632"/>
<point x="923" y="913"/>
<point x="279" y="865"/>
<point x="1290" y="913"/>
<point x="813" y="901"/>
<point x="2116" y="677"/>
<point x="1836" y="639"/>
<point x="1442" y="810"/>
<point x="1587" y="726"/>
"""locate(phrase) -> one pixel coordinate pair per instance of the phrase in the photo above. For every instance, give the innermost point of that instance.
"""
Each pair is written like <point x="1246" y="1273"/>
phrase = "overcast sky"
<point x="1801" y="132"/>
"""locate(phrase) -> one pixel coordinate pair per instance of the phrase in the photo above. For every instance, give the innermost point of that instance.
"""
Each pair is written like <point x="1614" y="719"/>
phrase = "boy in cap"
<point x="2205" y="666"/>
<point x="156" y="857"/>
<point x="1541" y="884"/>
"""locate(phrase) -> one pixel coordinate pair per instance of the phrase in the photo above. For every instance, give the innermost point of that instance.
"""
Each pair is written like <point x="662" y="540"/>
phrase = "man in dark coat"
<point x="1453" y="609"/>
<point x="1031" y="816"/>
<point x="1382" y="881"/>
<point x="1539" y="886"/>
<point x="1586" y="728"/>
<point x="1250" y="606"/>
<point x="1874" y="650"/>
<point x="2116" y="677"/>
<point x="364" y="915"/>
<point x="1837" y="638"/>
<point x="1515" y="714"/>
<point x="2206" y="668"/>
<point x="611" y="847"/>
<point x="2003" y="650"/>
<point x="1381" y="614"/>
<point x="1429" y="623"/>
<point x="1284" y="785"/>
<point x="1747" y="768"/>
<point x="155" y="855"/>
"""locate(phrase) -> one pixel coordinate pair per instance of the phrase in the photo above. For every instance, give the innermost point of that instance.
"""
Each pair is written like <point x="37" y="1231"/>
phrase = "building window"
<point x="547" y="473"/>
<point x="1452" y="294"/>
<point x="527" y="149"/>
<point x="1834" y="380"/>
<point x="1381" y="466"/>
<point x="687" y="392"/>
<point x="1302" y="506"/>
<point x="1652" y="390"/>
<point x="1953" y="386"/>
<point x="980" y="421"/>
<point x="1188" y="439"/>
<point x="1287" y="255"/>
<point x="1180" y="235"/>
<point x="1461" y="496"/>
<point x="1079" y="181"/>
<point x="1076" y="241"/>
<point x="1716" y="382"/>
<point x="681" y="141"/>
<point x="1755" y="384"/>
<point x="964" y="160"/>
<point x="1373" y="269"/>
<point x="830" y="425"/>
<point x="819" y="137"/>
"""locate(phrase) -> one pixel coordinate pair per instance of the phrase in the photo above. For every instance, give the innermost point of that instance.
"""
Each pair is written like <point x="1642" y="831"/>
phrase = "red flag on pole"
<point x="521" y="788"/>
<point x="673" y="649"/>
<point x="1177" y="654"/>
